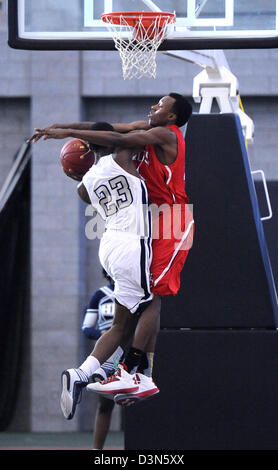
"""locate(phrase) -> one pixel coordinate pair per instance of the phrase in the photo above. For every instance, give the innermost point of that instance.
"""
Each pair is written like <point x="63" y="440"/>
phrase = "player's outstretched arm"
<point x="160" y="136"/>
<point x="155" y="136"/>
<point x="119" y="127"/>
<point x="74" y="125"/>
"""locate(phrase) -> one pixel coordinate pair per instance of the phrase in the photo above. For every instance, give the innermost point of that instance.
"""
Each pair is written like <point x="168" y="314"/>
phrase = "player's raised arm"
<point x="154" y="136"/>
<point x="159" y="136"/>
<point x="119" y="127"/>
<point x="74" y="125"/>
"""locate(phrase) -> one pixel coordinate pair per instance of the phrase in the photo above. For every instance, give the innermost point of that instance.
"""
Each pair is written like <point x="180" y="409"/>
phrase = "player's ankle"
<point x="132" y="360"/>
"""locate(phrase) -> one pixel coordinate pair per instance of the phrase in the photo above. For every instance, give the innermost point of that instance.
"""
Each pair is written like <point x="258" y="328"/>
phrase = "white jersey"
<point x="125" y="248"/>
<point x="119" y="197"/>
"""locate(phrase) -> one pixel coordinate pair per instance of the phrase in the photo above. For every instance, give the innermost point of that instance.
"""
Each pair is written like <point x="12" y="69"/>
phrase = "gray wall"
<point x="263" y="152"/>
<point x="38" y="88"/>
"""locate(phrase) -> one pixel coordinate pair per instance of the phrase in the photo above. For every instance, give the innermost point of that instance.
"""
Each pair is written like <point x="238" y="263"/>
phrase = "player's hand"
<point x="35" y="137"/>
<point x="49" y="133"/>
<point x="40" y="132"/>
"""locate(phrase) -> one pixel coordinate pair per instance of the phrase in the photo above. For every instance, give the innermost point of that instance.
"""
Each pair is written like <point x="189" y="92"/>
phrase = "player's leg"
<point x="147" y="329"/>
<point x="145" y="335"/>
<point x="102" y="422"/>
<point x="147" y="387"/>
<point x="74" y="380"/>
<point x="108" y="343"/>
<point x="145" y="338"/>
<point x="169" y="256"/>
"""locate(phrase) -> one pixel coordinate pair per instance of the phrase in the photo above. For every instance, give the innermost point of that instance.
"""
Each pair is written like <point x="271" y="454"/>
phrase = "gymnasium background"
<point x="40" y="88"/>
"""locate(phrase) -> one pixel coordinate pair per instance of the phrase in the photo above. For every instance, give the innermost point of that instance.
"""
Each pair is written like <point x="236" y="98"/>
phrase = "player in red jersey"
<point x="163" y="168"/>
<point x="173" y="224"/>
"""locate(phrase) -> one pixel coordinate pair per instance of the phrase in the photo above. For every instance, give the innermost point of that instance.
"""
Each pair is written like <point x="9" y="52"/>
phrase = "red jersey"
<point x="172" y="230"/>
<point x="165" y="183"/>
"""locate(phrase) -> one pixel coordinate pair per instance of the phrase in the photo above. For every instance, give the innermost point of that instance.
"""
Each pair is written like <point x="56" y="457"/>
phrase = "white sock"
<point x="90" y="365"/>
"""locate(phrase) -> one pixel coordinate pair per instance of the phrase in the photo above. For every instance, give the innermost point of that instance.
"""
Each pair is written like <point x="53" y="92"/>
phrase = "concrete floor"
<point x="57" y="441"/>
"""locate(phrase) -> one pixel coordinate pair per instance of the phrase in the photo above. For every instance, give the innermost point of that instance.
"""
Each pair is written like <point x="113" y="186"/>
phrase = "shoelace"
<point x="112" y="377"/>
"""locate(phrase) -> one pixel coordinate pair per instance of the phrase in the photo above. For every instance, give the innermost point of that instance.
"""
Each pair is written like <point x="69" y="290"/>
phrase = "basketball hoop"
<point x="137" y="36"/>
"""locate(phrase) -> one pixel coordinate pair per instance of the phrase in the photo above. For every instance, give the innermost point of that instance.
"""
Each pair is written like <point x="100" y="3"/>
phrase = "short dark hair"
<point x="100" y="126"/>
<point x="182" y="108"/>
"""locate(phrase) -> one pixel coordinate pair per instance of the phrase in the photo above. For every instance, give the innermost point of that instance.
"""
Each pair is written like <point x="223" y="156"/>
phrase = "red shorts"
<point x="172" y="239"/>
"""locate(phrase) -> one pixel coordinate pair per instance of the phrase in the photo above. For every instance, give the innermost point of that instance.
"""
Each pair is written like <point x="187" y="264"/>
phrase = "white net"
<point x="138" y="43"/>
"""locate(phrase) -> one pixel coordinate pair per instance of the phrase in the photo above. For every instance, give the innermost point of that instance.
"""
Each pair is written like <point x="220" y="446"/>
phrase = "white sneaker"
<point x="102" y="374"/>
<point x="147" y="389"/>
<point x="120" y="382"/>
<point x="98" y="375"/>
<point x="73" y="381"/>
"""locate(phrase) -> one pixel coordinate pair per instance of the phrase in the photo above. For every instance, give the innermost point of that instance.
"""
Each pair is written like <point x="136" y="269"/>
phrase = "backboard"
<point x="200" y="24"/>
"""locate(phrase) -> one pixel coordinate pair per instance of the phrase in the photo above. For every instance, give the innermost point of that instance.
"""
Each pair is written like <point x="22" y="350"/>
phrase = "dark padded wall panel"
<point x="218" y="390"/>
<point x="227" y="279"/>
<point x="271" y="225"/>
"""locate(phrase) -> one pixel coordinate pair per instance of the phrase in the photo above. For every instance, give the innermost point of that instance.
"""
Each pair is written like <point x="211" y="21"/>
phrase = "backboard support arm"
<point x="216" y="82"/>
<point x="152" y="6"/>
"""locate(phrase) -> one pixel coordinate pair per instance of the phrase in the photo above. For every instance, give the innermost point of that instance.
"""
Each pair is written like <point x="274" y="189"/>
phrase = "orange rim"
<point x="132" y="17"/>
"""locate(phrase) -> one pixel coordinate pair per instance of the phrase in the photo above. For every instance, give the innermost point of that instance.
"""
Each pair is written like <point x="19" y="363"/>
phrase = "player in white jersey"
<point x="114" y="188"/>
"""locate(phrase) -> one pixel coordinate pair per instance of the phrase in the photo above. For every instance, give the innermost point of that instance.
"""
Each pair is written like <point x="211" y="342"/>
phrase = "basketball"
<point x="76" y="158"/>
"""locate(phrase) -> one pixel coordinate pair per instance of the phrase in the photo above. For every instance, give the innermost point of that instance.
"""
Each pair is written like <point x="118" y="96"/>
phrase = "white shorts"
<point x="127" y="258"/>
